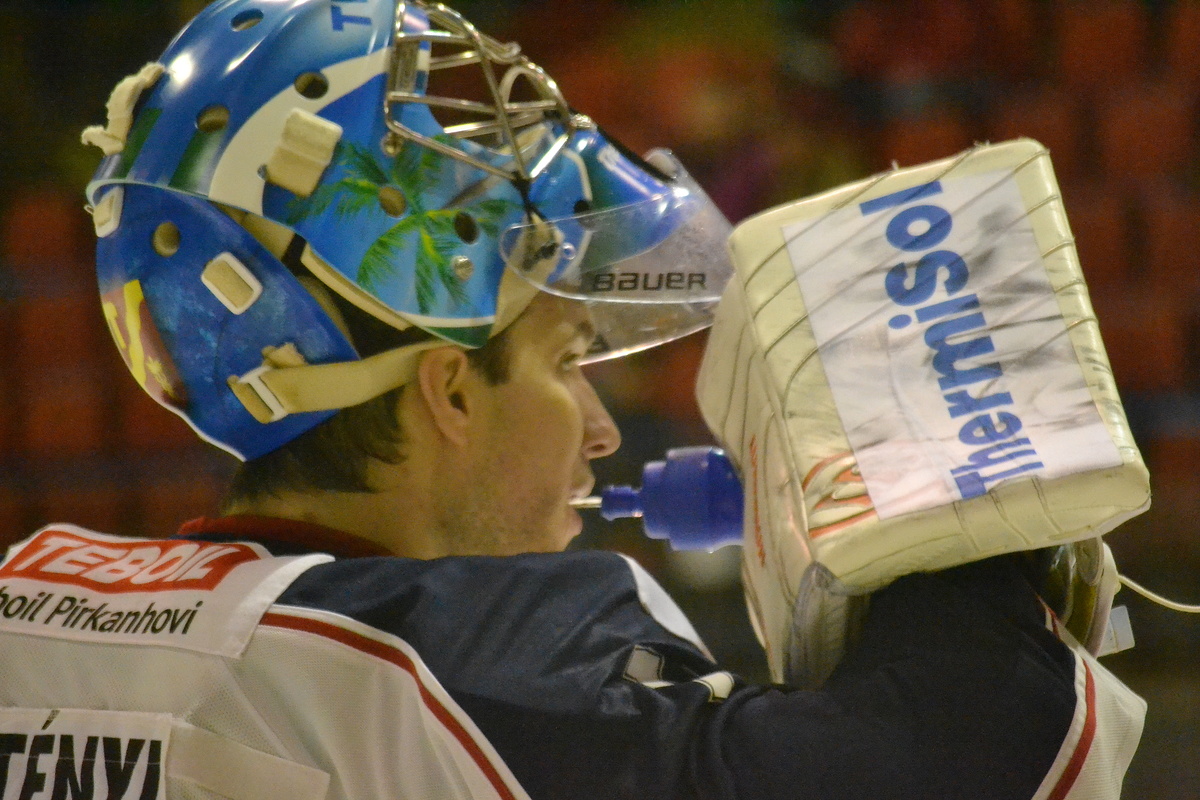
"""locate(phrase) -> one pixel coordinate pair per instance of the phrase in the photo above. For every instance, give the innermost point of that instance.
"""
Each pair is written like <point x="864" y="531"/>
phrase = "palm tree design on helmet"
<point x="399" y="187"/>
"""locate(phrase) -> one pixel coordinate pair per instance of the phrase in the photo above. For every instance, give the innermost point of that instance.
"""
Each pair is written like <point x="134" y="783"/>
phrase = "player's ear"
<point x="443" y="378"/>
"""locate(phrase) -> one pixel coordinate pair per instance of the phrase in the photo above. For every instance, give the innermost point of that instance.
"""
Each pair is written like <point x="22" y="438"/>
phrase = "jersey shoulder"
<point x="485" y="624"/>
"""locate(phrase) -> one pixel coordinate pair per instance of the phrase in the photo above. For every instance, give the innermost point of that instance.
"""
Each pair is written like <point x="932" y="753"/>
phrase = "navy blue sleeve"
<point x="956" y="689"/>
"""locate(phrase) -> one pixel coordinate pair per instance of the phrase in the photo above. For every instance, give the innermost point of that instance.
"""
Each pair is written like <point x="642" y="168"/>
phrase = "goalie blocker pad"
<point x="909" y="375"/>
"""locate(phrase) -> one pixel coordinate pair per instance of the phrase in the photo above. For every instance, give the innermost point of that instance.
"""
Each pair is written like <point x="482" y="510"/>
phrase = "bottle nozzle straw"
<point x="587" y="502"/>
<point x="693" y="499"/>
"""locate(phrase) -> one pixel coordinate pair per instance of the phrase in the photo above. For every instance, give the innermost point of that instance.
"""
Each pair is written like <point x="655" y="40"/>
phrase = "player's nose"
<point x="600" y="434"/>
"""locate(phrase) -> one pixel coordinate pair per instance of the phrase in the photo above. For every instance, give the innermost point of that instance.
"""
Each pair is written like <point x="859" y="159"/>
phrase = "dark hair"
<point x="335" y="455"/>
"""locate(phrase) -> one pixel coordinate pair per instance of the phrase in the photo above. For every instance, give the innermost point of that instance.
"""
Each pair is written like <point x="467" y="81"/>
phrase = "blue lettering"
<point x="973" y="484"/>
<point x="937" y="227"/>
<point x="947" y="355"/>
<point x="989" y="428"/>
<point x="960" y="403"/>
<point x="947" y="307"/>
<point x="996" y="454"/>
<point x="925" y="277"/>
<point x="970" y="485"/>
<point x="923" y="227"/>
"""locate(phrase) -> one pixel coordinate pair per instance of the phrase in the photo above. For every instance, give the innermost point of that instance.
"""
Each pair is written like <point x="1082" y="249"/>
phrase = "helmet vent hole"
<point x="246" y="20"/>
<point x="393" y="201"/>
<point x="312" y="85"/>
<point x="166" y="239"/>
<point x="466" y="227"/>
<point x="212" y="119"/>
<point x="583" y="206"/>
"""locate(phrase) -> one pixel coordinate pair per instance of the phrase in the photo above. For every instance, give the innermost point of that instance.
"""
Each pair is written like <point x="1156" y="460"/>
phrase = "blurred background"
<point x="766" y="101"/>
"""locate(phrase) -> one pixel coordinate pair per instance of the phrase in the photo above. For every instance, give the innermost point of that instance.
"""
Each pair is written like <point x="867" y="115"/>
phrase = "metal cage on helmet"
<point x="503" y="117"/>
<point x="309" y="130"/>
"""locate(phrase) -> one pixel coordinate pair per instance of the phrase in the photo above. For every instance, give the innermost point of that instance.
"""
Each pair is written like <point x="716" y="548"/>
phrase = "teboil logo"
<point x="103" y="565"/>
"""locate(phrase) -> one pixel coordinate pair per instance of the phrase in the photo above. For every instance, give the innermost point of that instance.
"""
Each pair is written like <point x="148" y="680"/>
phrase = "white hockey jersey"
<point x="152" y="669"/>
<point x="242" y="661"/>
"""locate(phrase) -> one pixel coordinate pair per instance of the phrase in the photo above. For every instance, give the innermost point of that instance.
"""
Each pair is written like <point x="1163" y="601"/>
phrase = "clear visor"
<point x="666" y="248"/>
<point x="624" y="328"/>
<point x="650" y="271"/>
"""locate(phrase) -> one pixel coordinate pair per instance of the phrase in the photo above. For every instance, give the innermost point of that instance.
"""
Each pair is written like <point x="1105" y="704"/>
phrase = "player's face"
<point x="537" y="433"/>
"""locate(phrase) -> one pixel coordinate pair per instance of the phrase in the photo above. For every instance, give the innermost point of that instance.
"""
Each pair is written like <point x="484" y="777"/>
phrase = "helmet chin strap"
<point x="284" y="384"/>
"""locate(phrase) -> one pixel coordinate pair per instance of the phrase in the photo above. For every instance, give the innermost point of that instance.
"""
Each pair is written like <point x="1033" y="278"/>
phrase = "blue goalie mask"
<point x="284" y="153"/>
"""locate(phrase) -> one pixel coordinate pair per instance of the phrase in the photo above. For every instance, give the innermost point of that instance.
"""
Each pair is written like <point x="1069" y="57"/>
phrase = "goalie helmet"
<point x="282" y="153"/>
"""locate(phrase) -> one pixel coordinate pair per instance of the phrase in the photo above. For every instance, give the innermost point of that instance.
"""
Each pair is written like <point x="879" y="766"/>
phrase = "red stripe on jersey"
<point x="400" y="659"/>
<point x="1075" y="766"/>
